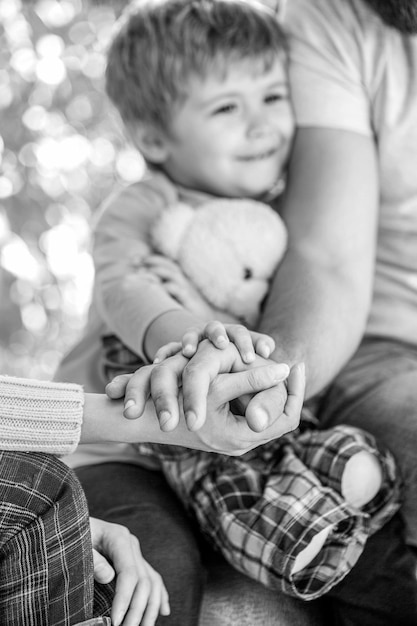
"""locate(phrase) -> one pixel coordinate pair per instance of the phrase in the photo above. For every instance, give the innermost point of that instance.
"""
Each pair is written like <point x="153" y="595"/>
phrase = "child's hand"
<point x="248" y="342"/>
<point x="178" y="286"/>
<point x="140" y="591"/>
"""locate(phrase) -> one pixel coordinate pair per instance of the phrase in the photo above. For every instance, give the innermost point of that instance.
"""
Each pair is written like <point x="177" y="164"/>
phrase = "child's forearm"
<point x="169" y="326"/>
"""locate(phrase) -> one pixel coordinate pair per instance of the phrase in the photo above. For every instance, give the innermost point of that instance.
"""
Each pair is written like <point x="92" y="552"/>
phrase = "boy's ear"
<point x="150" y="142"/>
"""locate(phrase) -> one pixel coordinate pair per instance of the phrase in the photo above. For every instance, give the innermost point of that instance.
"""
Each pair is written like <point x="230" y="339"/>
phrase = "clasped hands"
<point x="217" y="390"/>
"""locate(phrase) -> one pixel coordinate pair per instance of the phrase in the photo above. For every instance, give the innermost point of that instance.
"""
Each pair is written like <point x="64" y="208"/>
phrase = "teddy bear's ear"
<point x="170" y="228"/>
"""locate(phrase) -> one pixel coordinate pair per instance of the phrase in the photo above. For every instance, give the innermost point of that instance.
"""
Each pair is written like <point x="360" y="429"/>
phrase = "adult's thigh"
<point x="377" y="391"/>
<point x="46" y="565"/>
<point x="141" y="500"/>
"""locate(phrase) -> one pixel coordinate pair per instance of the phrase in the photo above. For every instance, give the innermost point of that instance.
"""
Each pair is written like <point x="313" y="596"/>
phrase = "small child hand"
<point x="248" y="342"/>
<point x="169" y="349"/>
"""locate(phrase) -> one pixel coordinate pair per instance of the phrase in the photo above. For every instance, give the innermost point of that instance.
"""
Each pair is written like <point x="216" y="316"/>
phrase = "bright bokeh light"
<point x="103" y="152"/>
<point x="60" y="245"/>
<point x="130" y="165"/>
<point x="51" y="70"/>
<point x="56" y="14"/>
<point x="34" y="317"/>
<point x="61" y="155"/>
<point x="66" y="154"/>
<point x="50" y="46"/>
<point x="23" y="61"/>
<point x="6" y="187"/>
<point x="35" y="118"/>
<point x="9" y="10"/>
<point x="17" y="259"/>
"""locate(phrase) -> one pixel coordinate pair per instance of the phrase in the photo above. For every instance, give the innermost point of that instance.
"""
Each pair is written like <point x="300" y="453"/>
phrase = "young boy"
<point x="202" y="89"/>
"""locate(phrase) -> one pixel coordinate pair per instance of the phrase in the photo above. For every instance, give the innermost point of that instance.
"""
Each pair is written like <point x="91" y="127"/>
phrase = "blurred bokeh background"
<point x="61" y="153"/>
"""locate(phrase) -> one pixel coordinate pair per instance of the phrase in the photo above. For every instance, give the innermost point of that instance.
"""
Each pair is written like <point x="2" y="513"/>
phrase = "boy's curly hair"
<point x="160" y="44"/>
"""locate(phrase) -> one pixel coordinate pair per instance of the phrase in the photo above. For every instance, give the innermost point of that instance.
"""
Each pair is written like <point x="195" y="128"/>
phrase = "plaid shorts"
<point x="262" y="509"/>
<point x="46" y="565"/>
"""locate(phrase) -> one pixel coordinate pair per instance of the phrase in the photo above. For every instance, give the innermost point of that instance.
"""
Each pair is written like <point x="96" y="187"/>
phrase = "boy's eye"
<point x="274" y="97"/>
<point x="225" y="108"/>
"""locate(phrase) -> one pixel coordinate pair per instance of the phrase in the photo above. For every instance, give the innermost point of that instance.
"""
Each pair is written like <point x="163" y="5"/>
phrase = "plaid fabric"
<point x="46" y="566"/>
<point x="118" y="358"/>
<point x="263" y="508"/>
<point x="96" y="621"/>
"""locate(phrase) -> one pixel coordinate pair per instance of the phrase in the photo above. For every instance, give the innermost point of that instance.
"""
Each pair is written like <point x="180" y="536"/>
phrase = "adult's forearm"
<point x="318" y="321"/>
<point x="104" y="422"/>
<point x="320" y="298"/>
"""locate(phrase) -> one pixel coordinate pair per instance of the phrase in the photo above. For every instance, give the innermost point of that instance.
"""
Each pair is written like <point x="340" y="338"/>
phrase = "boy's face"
<point x="232" y="135"/>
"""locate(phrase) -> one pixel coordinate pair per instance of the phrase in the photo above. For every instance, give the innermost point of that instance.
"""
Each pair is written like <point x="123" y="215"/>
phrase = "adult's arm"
<point x="44" y="416"/>
<point x="320" y="297"/>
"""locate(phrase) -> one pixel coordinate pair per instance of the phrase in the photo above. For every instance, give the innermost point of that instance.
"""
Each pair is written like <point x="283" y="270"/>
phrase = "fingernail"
<point x="272" y="372"/>
<point x="164" y="417"/>
<point x="262" y="419"/>
<point x="188" y="349"/>
<point x="191" y="419"/>
<point x="249" y="357"/>
<point x="129" y="403"/>
<point x="221" y="340"/>
<point x="156" y="360"/>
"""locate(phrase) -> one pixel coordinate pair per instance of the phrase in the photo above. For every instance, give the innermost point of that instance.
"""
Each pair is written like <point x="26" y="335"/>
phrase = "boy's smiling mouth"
<point x="266" y="154"/>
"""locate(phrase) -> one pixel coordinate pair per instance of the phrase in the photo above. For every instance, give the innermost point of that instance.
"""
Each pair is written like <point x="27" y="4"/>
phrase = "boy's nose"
<point x="258" y="124"/>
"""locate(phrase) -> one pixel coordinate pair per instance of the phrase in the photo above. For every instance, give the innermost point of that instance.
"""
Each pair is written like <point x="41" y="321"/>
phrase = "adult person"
<point x="46" y="557"/>
<point x="352" y="217"/>
<point x="344" y="299"/>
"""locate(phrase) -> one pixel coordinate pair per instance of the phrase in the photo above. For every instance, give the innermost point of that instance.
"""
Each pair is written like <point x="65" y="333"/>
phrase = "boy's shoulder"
<point x="153" y="185"/>
<point x="153" y="192"/>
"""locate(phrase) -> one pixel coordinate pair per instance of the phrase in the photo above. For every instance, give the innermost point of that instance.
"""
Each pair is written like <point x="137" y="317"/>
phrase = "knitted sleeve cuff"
<point x="40" y="416"/>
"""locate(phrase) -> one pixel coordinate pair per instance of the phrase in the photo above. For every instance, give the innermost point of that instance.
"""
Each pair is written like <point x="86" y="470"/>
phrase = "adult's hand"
<point x="211" y="380"/>
<point x="228" y="430"/>
<point x="140" y="592"/>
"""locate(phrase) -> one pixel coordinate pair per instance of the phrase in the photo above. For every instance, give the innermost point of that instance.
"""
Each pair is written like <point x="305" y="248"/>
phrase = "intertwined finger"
<point x="279" y="407"/>
<point x="164" y="388"/>
<point x="137" y="392"/>
<point x="169" y="349"/>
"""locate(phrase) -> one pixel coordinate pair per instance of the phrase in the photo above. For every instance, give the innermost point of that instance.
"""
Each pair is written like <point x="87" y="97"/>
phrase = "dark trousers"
<point x="141" y="500"/>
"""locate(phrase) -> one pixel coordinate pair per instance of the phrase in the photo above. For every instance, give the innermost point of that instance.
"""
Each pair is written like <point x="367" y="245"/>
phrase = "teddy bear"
<point x="228" y="248"/>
